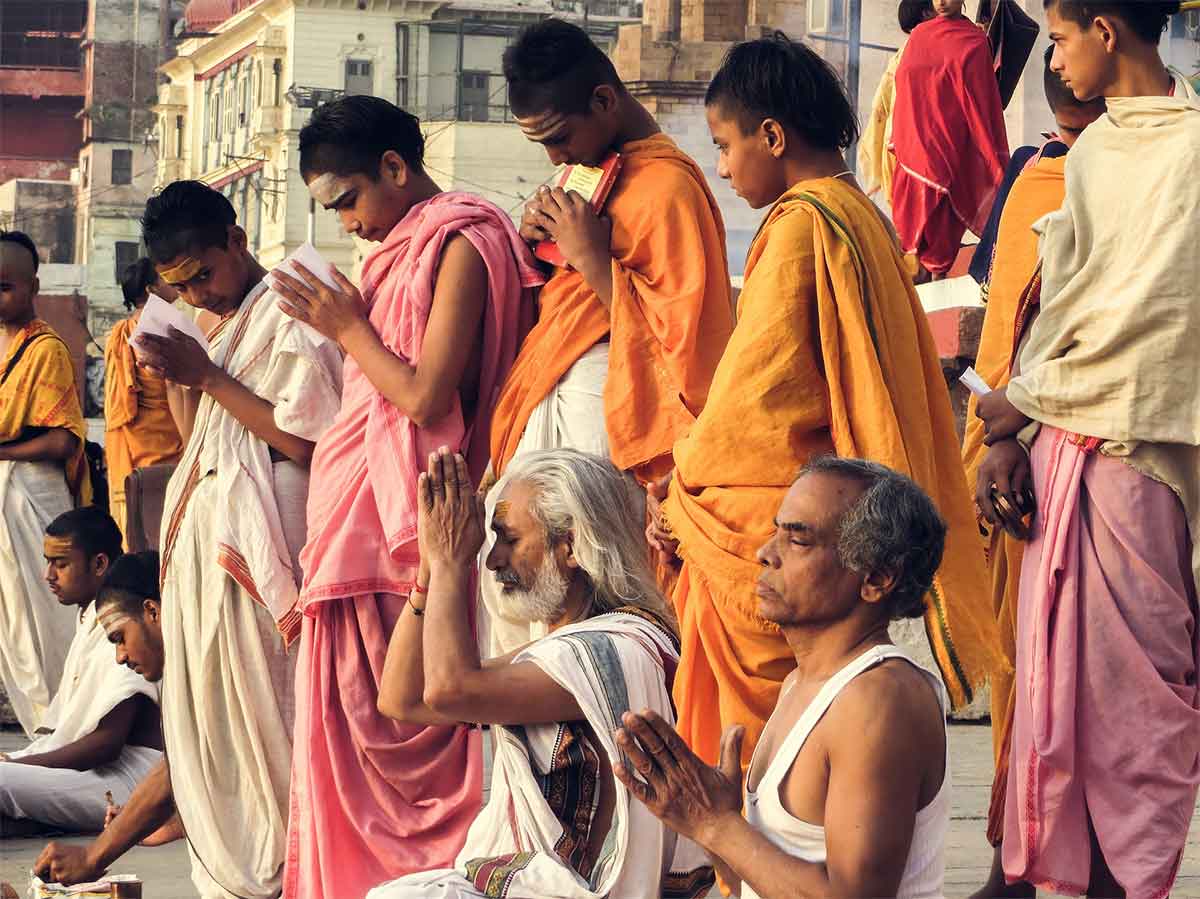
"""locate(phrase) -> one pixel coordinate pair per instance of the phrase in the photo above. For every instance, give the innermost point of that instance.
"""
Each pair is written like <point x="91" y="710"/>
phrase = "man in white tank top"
<point x="848" y="792"/>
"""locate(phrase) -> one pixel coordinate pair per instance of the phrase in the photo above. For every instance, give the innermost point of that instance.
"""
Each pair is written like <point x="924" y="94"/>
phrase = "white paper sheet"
<point x="974" y="382"/>
<point x="307" y="255"/>
<point x="158" y="316"/>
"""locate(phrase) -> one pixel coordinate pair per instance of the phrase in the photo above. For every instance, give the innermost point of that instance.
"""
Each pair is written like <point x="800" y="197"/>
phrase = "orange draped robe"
<point x="139" y="429"/>
<point x="832" y="353"/>
<point x="1037" y="191"/>
<point x="671" y="315"/>
<point x="41" y="392"/>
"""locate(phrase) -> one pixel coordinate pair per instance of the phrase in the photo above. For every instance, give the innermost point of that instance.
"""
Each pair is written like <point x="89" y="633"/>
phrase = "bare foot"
<point x="168" y="833"/>
<point x="996" y="888"/>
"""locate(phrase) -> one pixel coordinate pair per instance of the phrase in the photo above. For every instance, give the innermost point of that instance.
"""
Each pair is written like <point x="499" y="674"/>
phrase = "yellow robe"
<point x="41" y="392"/>
<point x="831" y="353"/>
<point x="139" y="429"/>
<point x="876" y="164"/>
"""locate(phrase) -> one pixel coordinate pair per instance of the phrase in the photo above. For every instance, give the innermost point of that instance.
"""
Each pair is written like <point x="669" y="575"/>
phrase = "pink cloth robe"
<point x="1107" y="718"/>
<point x="371" y="798"/>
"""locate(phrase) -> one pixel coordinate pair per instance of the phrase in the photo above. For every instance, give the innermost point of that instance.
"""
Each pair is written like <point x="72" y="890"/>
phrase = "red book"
<point x="593" y="183"/>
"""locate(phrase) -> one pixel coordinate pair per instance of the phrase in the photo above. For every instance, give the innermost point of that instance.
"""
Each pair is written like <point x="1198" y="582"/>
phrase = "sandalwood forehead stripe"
<point x="57" y="547"/>
<point x="541" y="127"/>
<point x="183" y="272"/>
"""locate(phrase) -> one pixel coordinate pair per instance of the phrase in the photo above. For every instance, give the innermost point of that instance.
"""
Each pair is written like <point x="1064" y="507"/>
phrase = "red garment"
<point x="948" y="138"/>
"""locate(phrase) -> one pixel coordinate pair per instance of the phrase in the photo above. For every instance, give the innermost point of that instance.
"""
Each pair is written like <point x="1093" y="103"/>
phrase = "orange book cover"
<point x="593" y="183"/>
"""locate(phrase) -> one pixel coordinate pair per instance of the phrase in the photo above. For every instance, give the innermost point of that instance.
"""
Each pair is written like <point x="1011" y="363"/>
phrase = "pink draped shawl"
<point x="362" y="502"/>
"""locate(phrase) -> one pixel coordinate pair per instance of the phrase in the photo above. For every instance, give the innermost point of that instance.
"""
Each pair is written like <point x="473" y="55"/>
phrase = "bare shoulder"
<point x="893" y="702"/>
<point x="459" y="256"/>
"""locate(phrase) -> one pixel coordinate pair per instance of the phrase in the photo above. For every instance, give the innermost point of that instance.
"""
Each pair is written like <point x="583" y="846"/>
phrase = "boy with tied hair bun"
<point x="831" y="354"/>
<point x="446" y="298"/>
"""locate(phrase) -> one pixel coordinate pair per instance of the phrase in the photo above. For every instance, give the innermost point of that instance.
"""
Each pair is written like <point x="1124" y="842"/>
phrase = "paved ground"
<point x="164" y="870"/>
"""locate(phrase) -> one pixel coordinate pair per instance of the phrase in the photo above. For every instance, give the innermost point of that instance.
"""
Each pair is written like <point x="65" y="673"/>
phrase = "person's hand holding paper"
<point x="316" y="293"/>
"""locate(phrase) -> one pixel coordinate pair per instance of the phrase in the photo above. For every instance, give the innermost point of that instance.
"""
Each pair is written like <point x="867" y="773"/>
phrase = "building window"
<point x="473" y="97"/>
<point x="126" y="255"/>
<point x="122" y="166"/>
<point x="87" y="165"/>
<point x="178" y="137"/>
<point x="360" y="77"/>
<point x="401" y="65"/>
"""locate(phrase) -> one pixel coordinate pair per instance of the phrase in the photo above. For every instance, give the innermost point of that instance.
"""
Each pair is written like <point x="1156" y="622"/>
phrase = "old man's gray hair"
<point x="586" y="499"/>
<point x="893" y="528"/>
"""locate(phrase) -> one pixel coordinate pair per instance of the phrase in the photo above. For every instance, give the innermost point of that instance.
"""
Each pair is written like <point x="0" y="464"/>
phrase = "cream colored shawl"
<point x="1112" y="352"/>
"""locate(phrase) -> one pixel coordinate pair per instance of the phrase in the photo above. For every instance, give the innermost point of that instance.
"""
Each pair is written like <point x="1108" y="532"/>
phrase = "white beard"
<point x="543" y="602"/>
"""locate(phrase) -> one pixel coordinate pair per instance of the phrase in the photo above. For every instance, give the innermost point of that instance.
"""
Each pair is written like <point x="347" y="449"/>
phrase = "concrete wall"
<point x="43" y="209"/>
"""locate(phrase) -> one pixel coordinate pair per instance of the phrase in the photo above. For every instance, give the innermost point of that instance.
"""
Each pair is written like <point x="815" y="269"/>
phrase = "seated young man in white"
<point x="104" y="721"/>
<point x="569" y="553"/>
<point x="848" y="791"/>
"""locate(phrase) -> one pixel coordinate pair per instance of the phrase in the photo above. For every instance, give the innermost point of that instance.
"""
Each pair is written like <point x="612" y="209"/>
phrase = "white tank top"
<point x="925" y="871"/>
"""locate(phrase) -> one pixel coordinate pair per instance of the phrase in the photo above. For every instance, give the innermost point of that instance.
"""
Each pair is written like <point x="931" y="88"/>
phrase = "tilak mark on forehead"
<point x="502" y="509"/>
<point x="112" y="618"/>
<point x="57" y="547"/>
<point x="327" y="188"/>
<point x="541" y="127"/>
<point x="186" y="269"/>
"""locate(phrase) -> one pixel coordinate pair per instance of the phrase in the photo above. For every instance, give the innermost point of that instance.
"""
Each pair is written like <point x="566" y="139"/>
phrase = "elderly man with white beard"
<point x="569" y="553"/>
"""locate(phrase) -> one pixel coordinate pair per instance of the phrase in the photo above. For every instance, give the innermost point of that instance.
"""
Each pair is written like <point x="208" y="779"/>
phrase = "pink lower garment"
<point x="1107" y="719"/>
<point x="371" y="799"/>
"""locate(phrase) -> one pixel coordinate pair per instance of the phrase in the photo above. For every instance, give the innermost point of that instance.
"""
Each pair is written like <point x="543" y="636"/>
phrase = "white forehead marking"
<point x="326" y="187"/>
<point x="541" y="127"/>
<point x="113" y="619"/>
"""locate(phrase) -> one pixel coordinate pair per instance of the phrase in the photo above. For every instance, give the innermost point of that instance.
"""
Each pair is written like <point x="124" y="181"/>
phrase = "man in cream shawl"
<point x="233" y="525"/>
<point x="569" y="552"/>
<point x="1106" y="732"/>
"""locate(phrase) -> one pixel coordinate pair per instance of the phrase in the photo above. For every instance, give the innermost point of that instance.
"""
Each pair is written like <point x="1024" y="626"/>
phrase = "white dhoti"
<point x="68" y="799"/>
<point x="531" y="838"/>
<point x="35" y="630"/>
<point x="572" y="417"/>
<point x="228" y="704"/>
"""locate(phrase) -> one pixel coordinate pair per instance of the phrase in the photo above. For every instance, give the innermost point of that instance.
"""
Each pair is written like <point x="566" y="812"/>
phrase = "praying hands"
<point x="690" y="797"/>
<point x="449" y="512"/>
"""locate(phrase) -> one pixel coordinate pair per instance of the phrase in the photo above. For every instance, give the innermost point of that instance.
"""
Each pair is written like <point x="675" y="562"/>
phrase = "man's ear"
<point x="1108" y="32"/>
<point x="150" y="609"/>
<point x="877" y="586"/>
<point x="774" y="137"/>
<point x="100" y="563"/>
<point x="566" y="551"/>
<point x="604" y="98"/>
<point x="393" y="167"/>
<point x="237" y="239"/>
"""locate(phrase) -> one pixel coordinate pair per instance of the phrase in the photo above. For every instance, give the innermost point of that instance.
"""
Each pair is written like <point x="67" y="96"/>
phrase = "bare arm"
<point x="149" y="807"/>
<point x="49" y="445"/>
<point x="425" y="392"/>
<point x="433" y="672"/>
<point x="101" y="747"/>
<point x="182" y="404"/>
<point x="180" y="359"/>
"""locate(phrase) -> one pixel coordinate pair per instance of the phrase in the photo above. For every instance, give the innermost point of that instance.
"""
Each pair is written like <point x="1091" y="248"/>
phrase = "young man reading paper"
<point x="445" y="301"/>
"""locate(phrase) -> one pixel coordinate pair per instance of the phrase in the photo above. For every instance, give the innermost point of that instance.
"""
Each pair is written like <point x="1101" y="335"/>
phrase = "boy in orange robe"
<point x="629" y="333"/>
<point x="1037" y="191"/>
<point x="831" y="354"/>
<point x="139" y="427"/>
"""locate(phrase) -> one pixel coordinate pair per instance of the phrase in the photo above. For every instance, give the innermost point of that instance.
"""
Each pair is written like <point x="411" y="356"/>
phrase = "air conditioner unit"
<point x="820" y="15"/>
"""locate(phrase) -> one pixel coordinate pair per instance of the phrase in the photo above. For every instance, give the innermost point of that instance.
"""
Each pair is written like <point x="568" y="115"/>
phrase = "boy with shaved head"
<point x="42" y="473"/>
<point x="630" y="330"/>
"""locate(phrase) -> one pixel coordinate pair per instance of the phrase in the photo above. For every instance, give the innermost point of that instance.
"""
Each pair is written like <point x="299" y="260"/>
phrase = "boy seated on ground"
<point x="130" y="612"/>
<point x="104" y="721"/>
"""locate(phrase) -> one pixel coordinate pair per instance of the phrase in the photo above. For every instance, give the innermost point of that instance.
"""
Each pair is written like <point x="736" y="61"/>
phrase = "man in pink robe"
<point x="1105" y="758"/>
<point x="445" y="300"/>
